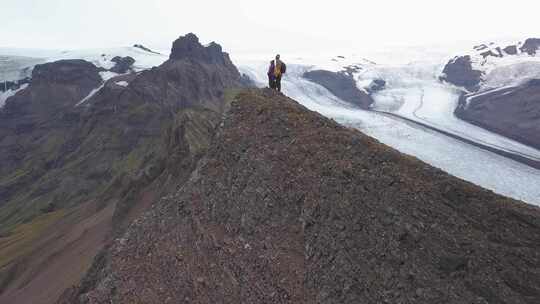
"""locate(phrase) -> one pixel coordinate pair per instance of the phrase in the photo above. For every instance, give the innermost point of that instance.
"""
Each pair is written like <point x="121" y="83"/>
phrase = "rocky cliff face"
<point x="290" y="207"/>
<point x="75" y="166"/>
<point x="530" y="46"/>
<point x="459" y="71"/>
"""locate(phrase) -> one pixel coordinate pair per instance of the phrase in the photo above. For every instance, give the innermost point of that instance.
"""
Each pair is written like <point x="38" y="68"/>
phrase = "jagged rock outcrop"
<point x="98" y="161"/>
<point x="459" y="71"/>
<point x="342" y="85"/>
<point x="530" y="46"/>
<point x="513" y="112"/>
<point x="289" y="207"/>
<point x="511" y="50"/>
<point x="189" y="47"/>
<point x="122" y="64"/>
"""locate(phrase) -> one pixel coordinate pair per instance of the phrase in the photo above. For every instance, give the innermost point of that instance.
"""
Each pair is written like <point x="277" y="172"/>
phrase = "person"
<point x="275" y="72"/>
<point x="271" y="77"/>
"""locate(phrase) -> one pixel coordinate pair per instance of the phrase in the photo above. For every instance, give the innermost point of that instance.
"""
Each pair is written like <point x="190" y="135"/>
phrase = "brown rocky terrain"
<point x="71" y="175"/>
<point x="288" y="206"/>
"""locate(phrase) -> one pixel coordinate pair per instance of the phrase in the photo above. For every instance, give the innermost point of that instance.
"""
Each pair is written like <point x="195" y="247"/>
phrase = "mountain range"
<point x="129" y="176"/>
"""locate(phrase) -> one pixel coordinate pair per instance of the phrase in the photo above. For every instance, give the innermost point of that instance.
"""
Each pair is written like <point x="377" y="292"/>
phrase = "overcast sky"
<point x="247" y="25"/>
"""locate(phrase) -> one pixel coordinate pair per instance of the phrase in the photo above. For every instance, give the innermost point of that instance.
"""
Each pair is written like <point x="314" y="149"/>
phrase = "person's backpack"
<point x="283" y="67"/>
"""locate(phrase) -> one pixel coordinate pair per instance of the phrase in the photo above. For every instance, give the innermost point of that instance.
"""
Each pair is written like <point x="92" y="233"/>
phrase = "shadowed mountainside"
<point x="342" y="85"/>
<point x="76" y="166"/>
<point x="513" y="112"/>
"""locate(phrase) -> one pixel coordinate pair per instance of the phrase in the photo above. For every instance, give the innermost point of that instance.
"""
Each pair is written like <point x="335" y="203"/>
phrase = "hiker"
<point x="271" y="77"/>
<point x="275" y="71"/>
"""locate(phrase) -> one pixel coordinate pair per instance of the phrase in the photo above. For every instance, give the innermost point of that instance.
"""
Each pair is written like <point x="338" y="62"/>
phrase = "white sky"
<point x="251" y="25"/>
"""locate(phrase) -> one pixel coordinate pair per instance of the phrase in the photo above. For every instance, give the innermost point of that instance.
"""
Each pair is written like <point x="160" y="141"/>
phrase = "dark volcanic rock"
<point x="510" y="50"/>
<point x="142" y="47"/>
<point x="71" y="72"/>
<point x="290" y="207"/>
<point x="122" y="64"/>
<point x="376" y="85"/>
<point x="530" y="46"/>
<point x="188" y="47"/>
<point x="342" y="85"/>
<point x="459" y="71"/>
<point x="513" y="112"/>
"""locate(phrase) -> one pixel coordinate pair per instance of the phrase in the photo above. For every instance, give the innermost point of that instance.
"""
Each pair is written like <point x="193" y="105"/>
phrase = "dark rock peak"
<point x="510" y="50"/>
<point x="459" y="71"/>
<point x="530" y="46"/>
<point x="188" y="47"/>
<point x="75" y="71"/>
<point x="142" y="47"/>
<point x="123" y="64"/>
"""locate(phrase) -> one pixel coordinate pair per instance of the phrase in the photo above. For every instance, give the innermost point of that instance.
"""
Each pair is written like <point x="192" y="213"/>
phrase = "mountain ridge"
<point x="300" y="209"/>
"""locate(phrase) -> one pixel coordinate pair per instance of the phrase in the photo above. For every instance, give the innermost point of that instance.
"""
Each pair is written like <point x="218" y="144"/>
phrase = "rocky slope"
<point x="289" y="207"/>
<point x="513" y="112"/>
<point x="80" y="158"/>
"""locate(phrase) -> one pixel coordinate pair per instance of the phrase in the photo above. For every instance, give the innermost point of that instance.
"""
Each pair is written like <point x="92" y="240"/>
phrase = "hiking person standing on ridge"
<point x="275" y="71"/>
<point x="271" y="77"/>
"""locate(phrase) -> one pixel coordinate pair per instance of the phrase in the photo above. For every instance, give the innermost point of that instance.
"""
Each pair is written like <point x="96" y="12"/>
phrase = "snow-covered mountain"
<point x="494" y="65"/>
